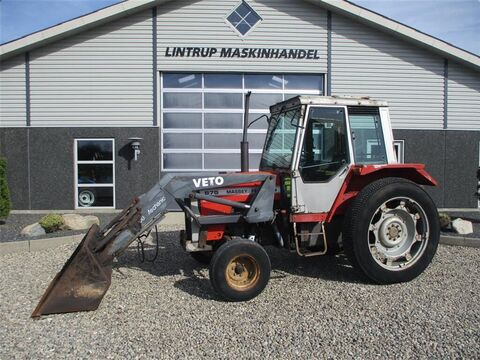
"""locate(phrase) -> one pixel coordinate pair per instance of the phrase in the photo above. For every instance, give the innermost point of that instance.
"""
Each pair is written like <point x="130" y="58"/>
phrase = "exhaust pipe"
<point x="244" y="151"/>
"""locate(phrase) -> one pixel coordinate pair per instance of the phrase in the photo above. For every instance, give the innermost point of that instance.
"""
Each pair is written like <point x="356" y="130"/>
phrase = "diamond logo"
<point x="243" y="18"/>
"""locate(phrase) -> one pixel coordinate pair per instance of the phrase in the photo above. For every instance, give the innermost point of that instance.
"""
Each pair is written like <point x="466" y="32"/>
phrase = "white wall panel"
<point x="12" y="92"/>
<point x="463" y="98"/>
<point x="367" y="62"/>
<point x="101" y="77"/>
<point x="286" y="24"/>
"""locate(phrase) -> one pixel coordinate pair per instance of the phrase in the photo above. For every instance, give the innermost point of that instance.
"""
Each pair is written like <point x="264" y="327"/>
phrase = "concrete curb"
<point x="171" y="219"/>
<point x="38" y="244"/>
<point x="42" y="244"/>
<point x="460" y="241"/>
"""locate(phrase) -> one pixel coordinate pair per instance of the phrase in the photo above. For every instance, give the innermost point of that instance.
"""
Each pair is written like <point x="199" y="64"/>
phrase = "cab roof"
<point x="326" y="100"/>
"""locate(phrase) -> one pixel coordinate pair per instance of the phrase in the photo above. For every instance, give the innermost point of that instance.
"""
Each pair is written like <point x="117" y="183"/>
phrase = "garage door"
<point x="202" y="115"/>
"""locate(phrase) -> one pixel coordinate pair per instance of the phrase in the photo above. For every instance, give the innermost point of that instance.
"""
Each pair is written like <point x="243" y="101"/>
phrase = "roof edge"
<point x="400" y="30"/>
<point x="74" y="26"/>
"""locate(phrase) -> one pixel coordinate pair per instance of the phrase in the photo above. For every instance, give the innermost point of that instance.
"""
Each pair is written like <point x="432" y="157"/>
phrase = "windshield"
<point x="278" y="149"/>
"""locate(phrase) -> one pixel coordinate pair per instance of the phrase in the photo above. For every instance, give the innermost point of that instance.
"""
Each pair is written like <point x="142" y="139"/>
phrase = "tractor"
<point x="328" y="181"/>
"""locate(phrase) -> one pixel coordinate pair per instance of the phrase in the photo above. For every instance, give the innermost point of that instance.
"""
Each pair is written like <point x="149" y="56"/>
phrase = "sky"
<point x="455" y="21"/>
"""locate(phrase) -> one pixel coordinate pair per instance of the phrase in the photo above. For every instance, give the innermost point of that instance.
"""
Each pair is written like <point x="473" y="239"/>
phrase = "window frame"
<point x="301" y="138"/>
<point x="400" y="144"/>
<point x="370" y="142"/>
<point x="95" y="162"/>
<point x="203" y="130"/>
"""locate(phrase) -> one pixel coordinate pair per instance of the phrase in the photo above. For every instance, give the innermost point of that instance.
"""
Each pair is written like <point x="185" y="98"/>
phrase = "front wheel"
<point x="391" y="231"/>
<point x="239" y="270"/>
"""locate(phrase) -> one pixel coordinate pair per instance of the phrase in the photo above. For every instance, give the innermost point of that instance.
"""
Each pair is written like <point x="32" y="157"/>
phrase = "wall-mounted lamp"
<point x="135" y="144"/>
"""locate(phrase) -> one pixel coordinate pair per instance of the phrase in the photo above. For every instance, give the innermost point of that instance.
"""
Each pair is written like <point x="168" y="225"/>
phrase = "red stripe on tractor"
<point x="312" y="217"/>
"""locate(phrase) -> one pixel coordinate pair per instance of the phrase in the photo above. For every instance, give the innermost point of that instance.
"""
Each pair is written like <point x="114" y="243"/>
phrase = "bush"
<point x="445" y="220"/>
<point x="51" y="222"/>
<point x="5" y="203"/>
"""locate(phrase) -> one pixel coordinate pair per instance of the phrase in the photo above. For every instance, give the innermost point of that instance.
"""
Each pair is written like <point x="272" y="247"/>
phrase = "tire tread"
<point x="351" y="223"/>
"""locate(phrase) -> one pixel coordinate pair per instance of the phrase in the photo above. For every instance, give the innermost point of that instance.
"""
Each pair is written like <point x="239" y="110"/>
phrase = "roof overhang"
<point x="75" y="26"/>
<point x="401" y="31"/>
<point x="345" y="8"/>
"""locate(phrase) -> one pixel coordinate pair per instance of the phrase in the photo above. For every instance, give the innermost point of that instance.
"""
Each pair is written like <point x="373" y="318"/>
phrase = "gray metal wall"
<point x="370" y="63"/>
<point x="41" y="164"/>
<point x="286" y="24"/>
<point x="463" y="98"/>
<point x="101" y="77"/>
<point x="104" y="76"/>
<point x="12" y="92"/>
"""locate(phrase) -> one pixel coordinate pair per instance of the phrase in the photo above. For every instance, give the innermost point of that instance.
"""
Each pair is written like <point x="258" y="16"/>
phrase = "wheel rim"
<point x="398" y="233"/>
<point x="242" y="272"/>
<point x="86" y="198"/>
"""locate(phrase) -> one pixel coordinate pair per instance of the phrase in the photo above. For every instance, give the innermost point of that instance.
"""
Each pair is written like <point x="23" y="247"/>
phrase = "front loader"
<point x="328" y="180"/>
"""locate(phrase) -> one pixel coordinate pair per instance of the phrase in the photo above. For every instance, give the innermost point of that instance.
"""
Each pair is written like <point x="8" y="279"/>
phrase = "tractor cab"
<point x="313" y="141"/>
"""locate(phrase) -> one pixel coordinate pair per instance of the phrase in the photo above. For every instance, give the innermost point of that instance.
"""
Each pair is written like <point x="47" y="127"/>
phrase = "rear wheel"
<point x="391" y="231"/>
<point x="240" y="270"/>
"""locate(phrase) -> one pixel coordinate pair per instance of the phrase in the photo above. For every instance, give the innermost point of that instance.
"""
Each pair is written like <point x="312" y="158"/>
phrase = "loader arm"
<point x="86" y="276"/>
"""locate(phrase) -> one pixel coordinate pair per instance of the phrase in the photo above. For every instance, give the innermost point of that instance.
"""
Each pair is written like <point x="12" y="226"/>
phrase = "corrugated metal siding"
<point x="463" y="98"/>
<point x="367" y="62"/>
<point x="286" y="24"/>
<point x="12" y="92"/>
<point x="101" y="77"/>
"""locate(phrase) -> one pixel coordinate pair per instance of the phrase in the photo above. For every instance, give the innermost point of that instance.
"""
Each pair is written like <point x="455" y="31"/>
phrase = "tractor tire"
<point x="203" y="257"/>
<point x="391" y="231"/>
<point x="239" y="270"/>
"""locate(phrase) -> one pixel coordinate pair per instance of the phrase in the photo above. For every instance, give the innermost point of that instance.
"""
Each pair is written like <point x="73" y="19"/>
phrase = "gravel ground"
<point x="312" y="308"/>
<point x="10" y="230"/>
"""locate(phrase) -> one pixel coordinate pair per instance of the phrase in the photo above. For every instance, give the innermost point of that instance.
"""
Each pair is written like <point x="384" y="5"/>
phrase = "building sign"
<point x="242" y="53"/>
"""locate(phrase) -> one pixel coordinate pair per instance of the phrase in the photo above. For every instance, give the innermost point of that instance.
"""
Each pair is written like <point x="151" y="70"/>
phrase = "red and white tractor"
<point x="328" y="180"/>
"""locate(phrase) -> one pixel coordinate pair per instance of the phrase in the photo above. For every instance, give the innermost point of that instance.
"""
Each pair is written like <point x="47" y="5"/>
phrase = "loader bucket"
<point x="86" y="276"/>
<point x="82" y="282"/>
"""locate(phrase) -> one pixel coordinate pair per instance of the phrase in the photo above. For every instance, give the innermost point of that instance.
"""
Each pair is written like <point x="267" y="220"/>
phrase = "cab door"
<point x="323" y="157"/>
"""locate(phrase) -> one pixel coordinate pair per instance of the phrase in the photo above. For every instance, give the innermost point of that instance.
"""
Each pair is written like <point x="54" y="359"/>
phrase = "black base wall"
<point x="451" y="157"/>
<point x="41" y="164"/>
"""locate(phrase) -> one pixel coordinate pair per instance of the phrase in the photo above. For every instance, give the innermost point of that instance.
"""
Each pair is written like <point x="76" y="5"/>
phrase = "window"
<point x="325" y="150"/>
<point x="94" y="173"/>
<point x="281" y="140"/>
<point x="367" y="135"/>
<point x="202" y="116"/>
<point x="399" y="148"/>
<point x="243" y="18"/>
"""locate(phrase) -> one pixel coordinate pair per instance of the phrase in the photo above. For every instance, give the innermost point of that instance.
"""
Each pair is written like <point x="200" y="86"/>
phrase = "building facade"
<point x="174" y="73"/>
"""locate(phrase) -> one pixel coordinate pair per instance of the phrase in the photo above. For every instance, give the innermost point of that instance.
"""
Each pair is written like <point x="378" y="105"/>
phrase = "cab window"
<point x="325" y="150"/>
<point x="367" y="135"/>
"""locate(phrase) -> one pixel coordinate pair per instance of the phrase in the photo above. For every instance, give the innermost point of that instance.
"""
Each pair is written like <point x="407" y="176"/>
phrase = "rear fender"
<point x="413" y="172"/>
<point x="360" y="176"/>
